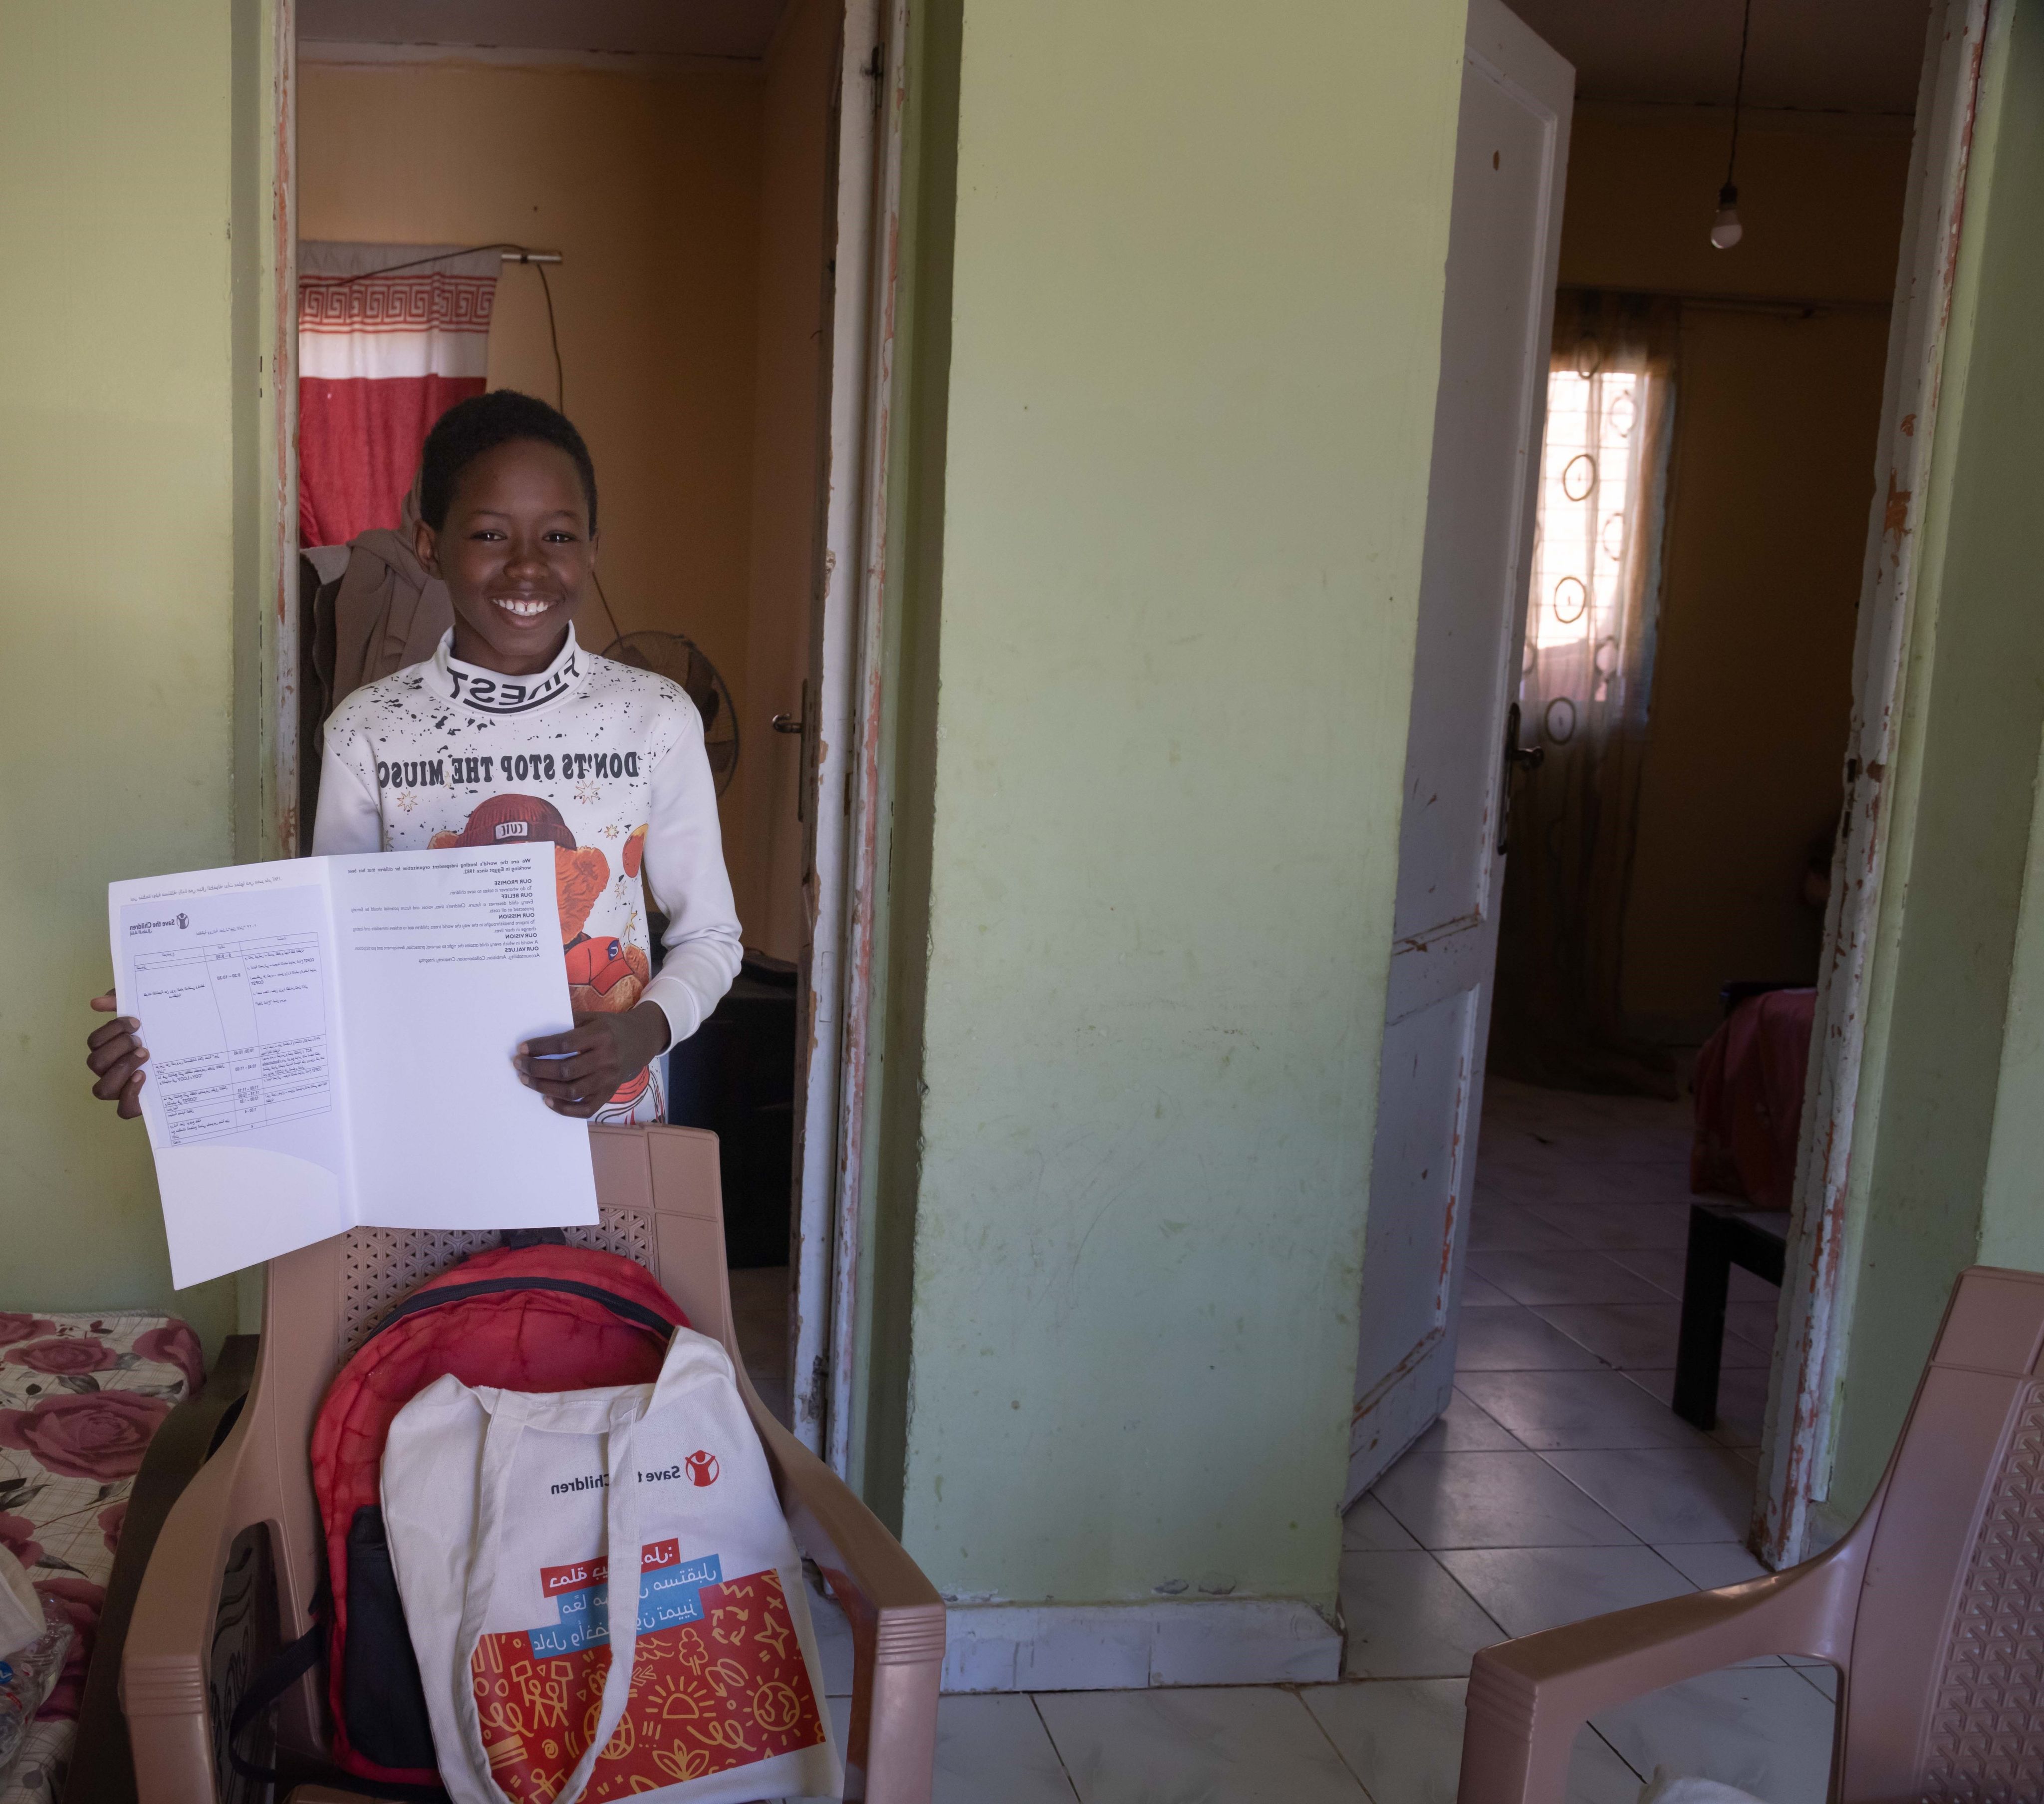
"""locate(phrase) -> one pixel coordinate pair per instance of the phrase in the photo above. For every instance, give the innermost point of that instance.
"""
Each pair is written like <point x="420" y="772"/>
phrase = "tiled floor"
<point x="1558" y="1486"/>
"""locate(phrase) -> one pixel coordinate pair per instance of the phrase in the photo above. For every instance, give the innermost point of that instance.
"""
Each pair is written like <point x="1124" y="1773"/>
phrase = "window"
<point x="1592" y="548"/>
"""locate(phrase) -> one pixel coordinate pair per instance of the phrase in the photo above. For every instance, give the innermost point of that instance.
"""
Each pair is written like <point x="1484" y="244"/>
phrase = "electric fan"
<point x="680" y="660"/>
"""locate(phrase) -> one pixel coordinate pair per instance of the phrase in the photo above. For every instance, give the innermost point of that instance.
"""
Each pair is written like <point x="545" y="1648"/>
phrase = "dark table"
<point x="1721" y="1236"/>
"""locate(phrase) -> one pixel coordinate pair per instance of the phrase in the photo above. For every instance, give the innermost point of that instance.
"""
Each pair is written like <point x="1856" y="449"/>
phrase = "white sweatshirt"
<point x="605" y="760"/>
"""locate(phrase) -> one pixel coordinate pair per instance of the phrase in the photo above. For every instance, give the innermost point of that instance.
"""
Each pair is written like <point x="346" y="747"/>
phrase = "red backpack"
<point x="542" y="1318"/>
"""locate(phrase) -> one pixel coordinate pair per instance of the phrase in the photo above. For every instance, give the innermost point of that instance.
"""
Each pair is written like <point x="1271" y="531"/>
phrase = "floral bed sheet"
<point x="81" y="1396"/>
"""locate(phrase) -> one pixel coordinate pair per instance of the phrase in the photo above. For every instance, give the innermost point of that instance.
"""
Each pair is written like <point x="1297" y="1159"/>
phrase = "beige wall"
<point x="650" y="188"/>
<point x="1770" y="484"/>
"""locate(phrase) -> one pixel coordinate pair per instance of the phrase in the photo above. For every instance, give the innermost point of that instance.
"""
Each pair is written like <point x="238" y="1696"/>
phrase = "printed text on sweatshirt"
<point x="604" y="760"/>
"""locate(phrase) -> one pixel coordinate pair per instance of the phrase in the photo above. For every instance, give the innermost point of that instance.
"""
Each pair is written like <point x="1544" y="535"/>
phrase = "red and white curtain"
<point x="383" y="352"/>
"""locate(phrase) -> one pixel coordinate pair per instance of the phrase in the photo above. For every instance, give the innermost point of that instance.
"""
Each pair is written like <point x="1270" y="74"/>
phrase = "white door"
<point x="1511" y="156"/>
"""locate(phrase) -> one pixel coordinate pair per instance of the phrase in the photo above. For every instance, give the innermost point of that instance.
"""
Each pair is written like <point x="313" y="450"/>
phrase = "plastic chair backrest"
<point x="661" y="1205"/>
<point x="1944" y="1697"/>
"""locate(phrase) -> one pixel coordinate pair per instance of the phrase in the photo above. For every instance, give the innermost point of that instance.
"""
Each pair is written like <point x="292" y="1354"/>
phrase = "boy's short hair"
<point x="480" y="424"/>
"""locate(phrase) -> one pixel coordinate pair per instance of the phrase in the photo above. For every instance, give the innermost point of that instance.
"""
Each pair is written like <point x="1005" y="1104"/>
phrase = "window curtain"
<point x="1586" y="677"/>
<point x="383" y="352"/>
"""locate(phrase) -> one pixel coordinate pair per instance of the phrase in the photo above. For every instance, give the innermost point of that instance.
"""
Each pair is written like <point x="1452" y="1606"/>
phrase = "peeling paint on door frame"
<point x="865" y="798"/>
<point x="844" y="802"/>
<point x="1795" y="1455"/>
<point x="277" y="416"/>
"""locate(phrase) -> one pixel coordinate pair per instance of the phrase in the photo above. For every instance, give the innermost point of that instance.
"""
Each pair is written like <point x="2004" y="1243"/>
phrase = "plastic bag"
<point x="28" y="1676"/>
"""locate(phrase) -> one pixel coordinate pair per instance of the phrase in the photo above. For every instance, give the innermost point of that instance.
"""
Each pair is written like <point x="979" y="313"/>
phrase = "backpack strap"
<point x="635" y="1313"/>
<point x="269" y="1685"/>
<point x="518" y="1240"/>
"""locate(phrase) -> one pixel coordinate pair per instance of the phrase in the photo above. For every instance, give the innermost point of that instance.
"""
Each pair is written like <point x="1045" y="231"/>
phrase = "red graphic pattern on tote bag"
<point x="728" y="1690"/>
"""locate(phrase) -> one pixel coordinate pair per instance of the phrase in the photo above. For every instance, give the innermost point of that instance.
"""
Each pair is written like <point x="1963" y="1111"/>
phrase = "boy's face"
<point x="515" y="552"/>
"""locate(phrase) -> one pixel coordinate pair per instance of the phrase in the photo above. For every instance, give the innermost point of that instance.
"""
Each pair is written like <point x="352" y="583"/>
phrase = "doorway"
<point x="1661" y="864"/>
<point x="685" y="214"/>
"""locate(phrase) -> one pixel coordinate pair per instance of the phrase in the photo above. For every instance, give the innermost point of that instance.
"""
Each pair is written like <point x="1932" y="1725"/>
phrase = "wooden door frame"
<point x="1816" y="1303"/>
<point x="844" y="740"/>
<point x="845" y="801"/>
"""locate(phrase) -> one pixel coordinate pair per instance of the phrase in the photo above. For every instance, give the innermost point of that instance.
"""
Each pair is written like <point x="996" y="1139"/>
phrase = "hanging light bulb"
<point x="1726" y="230"/>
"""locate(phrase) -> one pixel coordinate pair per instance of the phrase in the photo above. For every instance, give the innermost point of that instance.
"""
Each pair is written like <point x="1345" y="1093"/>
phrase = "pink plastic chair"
<point x="239" y="1558"/>
<point x="1932" y="1608"/>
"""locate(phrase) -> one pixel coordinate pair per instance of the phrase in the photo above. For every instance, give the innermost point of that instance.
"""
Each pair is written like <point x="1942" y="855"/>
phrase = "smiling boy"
<point x="511" y="733"/>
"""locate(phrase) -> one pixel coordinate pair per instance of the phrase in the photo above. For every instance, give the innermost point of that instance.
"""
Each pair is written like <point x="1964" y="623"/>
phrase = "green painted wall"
<point x="1195" y="271"/>
<point x="2011" y="1227"/>
<point x="118" y="591"/>
<point x="1948" y="950"/>
<point x="2012" y="1208"/>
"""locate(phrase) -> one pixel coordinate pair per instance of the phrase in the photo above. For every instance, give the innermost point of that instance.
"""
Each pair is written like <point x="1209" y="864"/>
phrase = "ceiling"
<point x="1821" y="56"/>
<point x="667" y="27"/>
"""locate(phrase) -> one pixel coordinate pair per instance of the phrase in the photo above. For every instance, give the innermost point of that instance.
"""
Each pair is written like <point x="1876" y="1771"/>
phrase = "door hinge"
<point x="875" y="69"/>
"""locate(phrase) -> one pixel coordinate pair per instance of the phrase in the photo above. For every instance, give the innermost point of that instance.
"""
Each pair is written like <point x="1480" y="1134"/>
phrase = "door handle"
<point x="788" y="722"/>
<point x="1517" y="758"/>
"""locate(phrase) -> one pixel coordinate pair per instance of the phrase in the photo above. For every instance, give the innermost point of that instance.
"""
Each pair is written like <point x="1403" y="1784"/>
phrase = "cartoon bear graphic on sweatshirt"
<point x="606" y="976"/>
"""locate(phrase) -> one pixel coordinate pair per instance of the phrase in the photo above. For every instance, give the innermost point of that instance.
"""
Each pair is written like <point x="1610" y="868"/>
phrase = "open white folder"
<point x="330" y="1043"/>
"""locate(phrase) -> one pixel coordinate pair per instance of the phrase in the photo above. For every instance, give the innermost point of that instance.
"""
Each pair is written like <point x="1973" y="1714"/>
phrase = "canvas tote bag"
<point x="559" y="1670"/>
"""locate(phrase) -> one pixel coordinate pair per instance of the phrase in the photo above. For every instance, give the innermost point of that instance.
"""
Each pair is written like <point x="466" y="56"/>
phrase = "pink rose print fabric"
<point x="81" y="1396"/>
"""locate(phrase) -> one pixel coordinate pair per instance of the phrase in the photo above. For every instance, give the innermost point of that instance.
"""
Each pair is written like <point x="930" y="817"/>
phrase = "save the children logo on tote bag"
<point x="556" y="1672"/>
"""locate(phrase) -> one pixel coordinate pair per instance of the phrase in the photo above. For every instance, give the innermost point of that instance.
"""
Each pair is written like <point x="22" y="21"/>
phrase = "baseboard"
<point x="1125" y="1647"/>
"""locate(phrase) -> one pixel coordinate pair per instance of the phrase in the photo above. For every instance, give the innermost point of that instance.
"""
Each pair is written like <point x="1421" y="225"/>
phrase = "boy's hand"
<point x="603" y="1051"/>
<point x="117" y="1057"/>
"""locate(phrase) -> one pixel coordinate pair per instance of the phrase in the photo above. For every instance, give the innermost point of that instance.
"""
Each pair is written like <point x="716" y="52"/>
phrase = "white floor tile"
<point x="1465" y="1427"/>
<point x="1246" y="1745"/>
<point x="1662" y="1267"/>
<point x="1477" y="1294"/>
<point x="1742" y="1400"/>
<point x="1750" y="1287"/>
<point x="1407" y="1619"/>
<point x="1615" y="1225"/>
<point x="1515" y="1339"/>
<point x="1767" y="1730"/>
<point x="1741" y="1407"/>
<point x="1708" y="1565"/>
<point x="1578" y="1409"/>
<point x="1403" y="1738"/>
<point x="993" y="1749"/>
<point x="1640" y="1335"/>
<point x="1496" y="1500"/>
<point x="1660" y="1494"/>
<point x="1368" y="1527"/>
<point x="1582" y="1277"/>
<point x="1821" y="1674"/>
<point x="1507" y="1227"/>
<point x="1525" y="1589"/>
<point x="1755" y="1322"/>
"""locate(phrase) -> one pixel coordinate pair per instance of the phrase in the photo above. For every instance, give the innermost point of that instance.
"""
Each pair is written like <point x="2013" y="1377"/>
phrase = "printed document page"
<point x="231" y="973"/>
<point x="452" y="958"/>
<point x="330" y="1045"/>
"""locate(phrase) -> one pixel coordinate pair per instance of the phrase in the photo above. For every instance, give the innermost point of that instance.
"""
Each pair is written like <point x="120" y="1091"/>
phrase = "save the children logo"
<point x="180" y="920"/>
<point x="702" y="1468"/>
